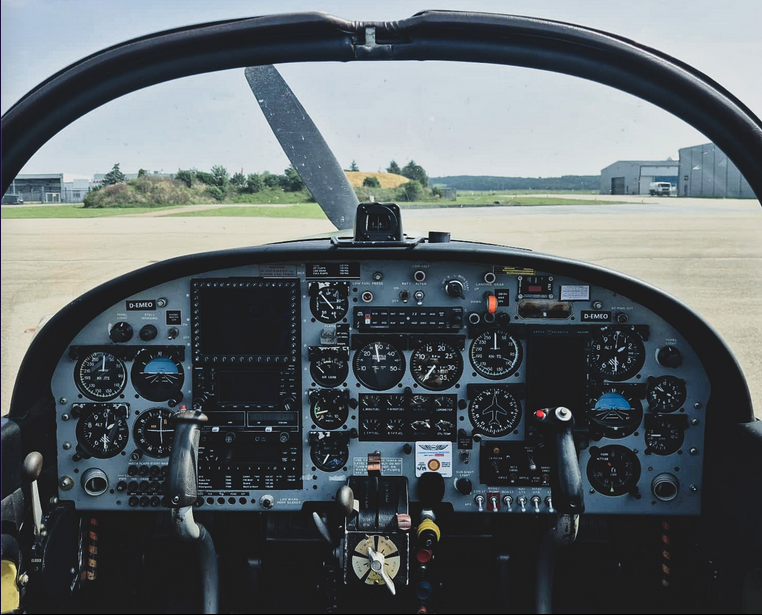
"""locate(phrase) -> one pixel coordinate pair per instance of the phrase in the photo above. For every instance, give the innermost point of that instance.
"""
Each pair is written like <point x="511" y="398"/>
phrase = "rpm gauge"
<point x="157" y="375"/>
<point x="494" y="411"/>
<point x="495" y="354"/>
<point x="379" y="365"/>
<point x="154" y="431"/>
<point x="617" y="354"/>
<point x="100" y="375"/>
<point x="436" y="365"/>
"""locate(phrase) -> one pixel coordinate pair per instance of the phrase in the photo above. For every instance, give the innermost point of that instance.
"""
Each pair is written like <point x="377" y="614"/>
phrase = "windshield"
<point x="488" y="153"/>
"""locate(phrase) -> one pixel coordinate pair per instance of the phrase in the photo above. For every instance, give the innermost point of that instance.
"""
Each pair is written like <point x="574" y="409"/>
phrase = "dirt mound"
<point x="387" y="180"/>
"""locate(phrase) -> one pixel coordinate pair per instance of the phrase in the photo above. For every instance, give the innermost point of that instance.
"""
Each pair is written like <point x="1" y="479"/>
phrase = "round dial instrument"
<point x="664" y="434"/>
<point x="100" y="375"/>
<point x="436" y="365"/>
<point x="613" y="470"/>
<point x="157" y="375"/>
<point x="495" y="354"/>
<point x="102" y="430"/>
<point x="665" y="394"/>
<point x="615" y="413"/>
<point x="617" y="354"/>
<point x="154" y="431"/>
<point x="329" y="301"/>
<point x="329" y="409"/>
<point x="329" y="451"/>
<point x="329" y="371"/>
<point x="379" y="365"/>
<point x="494" y="411"/>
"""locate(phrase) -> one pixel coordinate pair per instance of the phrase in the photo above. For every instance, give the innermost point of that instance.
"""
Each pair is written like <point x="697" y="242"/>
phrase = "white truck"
<point x="659" y="188"/>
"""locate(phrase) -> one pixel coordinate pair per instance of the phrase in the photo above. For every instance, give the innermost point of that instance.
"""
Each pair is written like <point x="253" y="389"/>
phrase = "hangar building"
<point x="634" y="176"/>
<point x="50" y="187"/>
<point x="706" y="171"/>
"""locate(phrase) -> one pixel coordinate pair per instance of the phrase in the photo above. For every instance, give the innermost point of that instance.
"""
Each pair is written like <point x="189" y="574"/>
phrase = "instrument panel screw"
<point x="694" y="488"/>
<point x="66" y="483"/>
<point x="63" y="401"/>
<point x="65" y="417"/>
<point x="694" y="421"/>
<point x="697" y="405"/>
<point x="66" y="446"/>
<point x="693" y="451"/>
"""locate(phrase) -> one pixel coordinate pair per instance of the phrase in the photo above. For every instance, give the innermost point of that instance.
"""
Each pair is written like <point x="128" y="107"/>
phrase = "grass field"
<point x="288" y="210"/>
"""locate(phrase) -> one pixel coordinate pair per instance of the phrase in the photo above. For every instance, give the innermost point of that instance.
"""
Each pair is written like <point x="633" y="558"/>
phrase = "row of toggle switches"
<point x="493" y="503"/>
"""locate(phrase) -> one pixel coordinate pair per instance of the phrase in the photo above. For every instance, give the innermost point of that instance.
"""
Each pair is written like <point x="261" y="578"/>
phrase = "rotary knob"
<point x="669" y="356"/>
<point x="121" y="332"/>
<point x="454" y="288"/>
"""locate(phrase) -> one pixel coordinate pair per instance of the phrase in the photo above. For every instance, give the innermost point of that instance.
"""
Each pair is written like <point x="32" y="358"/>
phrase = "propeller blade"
<point x="304" y="145"/>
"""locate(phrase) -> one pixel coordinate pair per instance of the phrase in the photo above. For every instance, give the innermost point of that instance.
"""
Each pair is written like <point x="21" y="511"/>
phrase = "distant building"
<point x="706" y="171"/>
<point x="635" y="176"/>
<point x="51" y="187"/>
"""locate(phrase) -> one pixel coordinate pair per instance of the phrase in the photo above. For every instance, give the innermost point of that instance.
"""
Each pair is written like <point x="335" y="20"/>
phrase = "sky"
<point x="450" y="118"/>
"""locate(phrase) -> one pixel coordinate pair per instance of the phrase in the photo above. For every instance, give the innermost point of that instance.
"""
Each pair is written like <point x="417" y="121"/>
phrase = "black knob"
<point x="464" y="486"/>
<point x="148" y="333"/>
<point x="431" y="489"/>
<point x="454" y="288"/>
<point x="669" y="356"/>
<point x="120" y="332"/>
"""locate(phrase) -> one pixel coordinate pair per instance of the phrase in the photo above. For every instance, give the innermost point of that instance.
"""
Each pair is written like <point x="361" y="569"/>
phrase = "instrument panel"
<point x="312" y="372"/>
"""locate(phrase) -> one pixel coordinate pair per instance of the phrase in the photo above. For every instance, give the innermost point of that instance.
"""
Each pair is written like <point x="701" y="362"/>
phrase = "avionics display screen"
<point x="556" y="372"/>
<point x="248" y="387"/>
<point x="249" y="318"/>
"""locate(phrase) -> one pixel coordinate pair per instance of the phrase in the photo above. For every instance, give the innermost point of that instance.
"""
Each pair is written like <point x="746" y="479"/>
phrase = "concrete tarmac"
<point x="705" y="252"/>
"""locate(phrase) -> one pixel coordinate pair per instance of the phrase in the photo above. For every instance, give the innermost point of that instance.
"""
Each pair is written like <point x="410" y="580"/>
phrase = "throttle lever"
<point x="570" y="497"/>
